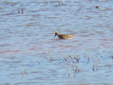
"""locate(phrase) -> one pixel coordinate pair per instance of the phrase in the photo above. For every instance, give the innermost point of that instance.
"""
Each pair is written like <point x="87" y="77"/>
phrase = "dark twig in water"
<point x="64" y="57"/>
<point x="70" y="76"/>
<point x="73" y="57"/>
<point x="69" y="54"/>
<point x="75" y="70"/>
<point x="84" y="77"/>
<point x="87" y="57"/>
<point x="25" y="72"/>
<point x="51" y="59"/>
<point x="96" y="65"/>
<point x="93" y="67"/>
<point x="62" y="1"/>
<point x="79" y="8"/>
<point x="22" y="70"/>
<point x="76" y="58"/>
<point x="43" y="56"/>
<point x="69" y="73"/>
<point x="21" y="11"/>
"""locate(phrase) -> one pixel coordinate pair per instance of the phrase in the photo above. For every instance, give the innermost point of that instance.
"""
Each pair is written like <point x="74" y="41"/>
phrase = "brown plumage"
<point x="64" y="36"/>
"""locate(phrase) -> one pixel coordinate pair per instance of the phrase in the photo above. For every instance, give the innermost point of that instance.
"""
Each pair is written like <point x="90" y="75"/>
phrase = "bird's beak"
<point x="54" y="36"/>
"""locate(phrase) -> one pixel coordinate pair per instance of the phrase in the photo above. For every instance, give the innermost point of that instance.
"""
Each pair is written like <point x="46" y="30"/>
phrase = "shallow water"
<point x="27" y="42"/>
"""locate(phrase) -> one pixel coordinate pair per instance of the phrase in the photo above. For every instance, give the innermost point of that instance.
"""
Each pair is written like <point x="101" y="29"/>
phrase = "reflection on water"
<point x="27" y="38"/>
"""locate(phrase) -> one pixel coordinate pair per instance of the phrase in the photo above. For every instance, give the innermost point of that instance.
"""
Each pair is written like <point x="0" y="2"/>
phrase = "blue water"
<point x="27" y="42"/>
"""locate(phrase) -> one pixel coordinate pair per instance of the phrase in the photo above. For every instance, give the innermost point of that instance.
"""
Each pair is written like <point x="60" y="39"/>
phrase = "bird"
<point x="64" y="36"/>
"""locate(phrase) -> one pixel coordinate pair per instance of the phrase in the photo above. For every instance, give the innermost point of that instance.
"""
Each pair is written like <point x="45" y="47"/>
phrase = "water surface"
<point x="27" y="42"/>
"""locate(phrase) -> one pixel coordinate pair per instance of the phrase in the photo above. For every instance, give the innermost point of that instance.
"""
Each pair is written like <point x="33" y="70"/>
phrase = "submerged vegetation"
<point x="73" y="65"/>
<point x="27" y="31"/>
